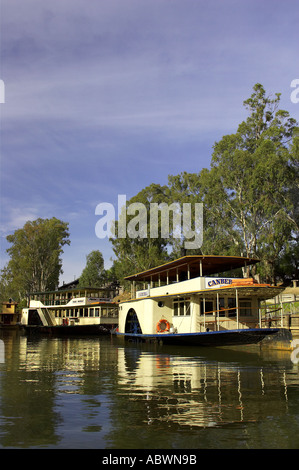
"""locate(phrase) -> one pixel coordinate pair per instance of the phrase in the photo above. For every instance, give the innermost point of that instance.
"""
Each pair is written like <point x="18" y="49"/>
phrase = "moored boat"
<point x="193" y="301"/>
<point x="70" y="311"/>
<point x="9" y="315"/>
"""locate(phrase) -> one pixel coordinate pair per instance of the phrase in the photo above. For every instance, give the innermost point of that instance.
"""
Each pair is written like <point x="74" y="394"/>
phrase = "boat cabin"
<point x="9" y="316"/>
<point x="194" y="294"/>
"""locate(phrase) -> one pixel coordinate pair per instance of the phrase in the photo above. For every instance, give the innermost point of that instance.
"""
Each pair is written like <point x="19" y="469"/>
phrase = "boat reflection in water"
<point x="211" y="388"/>
<point x="95" y="393"/>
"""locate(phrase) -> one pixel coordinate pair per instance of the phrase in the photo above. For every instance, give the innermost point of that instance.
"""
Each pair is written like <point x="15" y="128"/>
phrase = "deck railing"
<point x="232" y="316"/>
<point x="283" y="315"/>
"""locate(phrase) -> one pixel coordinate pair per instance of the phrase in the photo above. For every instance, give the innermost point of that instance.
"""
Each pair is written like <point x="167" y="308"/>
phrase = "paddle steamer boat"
<point x="194" y="301"/>
<point x="70" y="311"/>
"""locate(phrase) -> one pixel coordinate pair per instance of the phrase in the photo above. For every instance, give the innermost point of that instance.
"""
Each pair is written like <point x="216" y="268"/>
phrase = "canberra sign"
<point x="217" y="281"/>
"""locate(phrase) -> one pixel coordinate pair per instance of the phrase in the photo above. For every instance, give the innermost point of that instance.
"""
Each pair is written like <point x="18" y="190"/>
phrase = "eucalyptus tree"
<point x="35" y="256"/>
<point x="94" y="274"/>
<point x="136" y="248"/>
<point x="185" y="190"/>
<point x="250" y="187"/>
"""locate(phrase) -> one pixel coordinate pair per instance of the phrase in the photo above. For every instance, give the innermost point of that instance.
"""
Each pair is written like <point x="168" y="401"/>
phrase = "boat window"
<point x="231" y="305"/>
<point x="91" y="312"/>
<point x="81" y="312"/>
<point x="113" y="311"/>
<point x="206" y="307"/>
<point x="86" y="312"/>
<point x="76" y="312"/>
<point x="245" y="308"/>
<point x="104" y="311"/>
<point x="97" y="312"/>
<point x="222" y="311"/>
<point x="181" y="307"/>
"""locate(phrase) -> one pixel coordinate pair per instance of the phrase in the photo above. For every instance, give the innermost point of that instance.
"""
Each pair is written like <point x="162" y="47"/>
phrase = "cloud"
<point x="114" y="64"/>
<point x="14" y="218"/>
<point x="106" y="96"/>
<point x="135" y="67"/>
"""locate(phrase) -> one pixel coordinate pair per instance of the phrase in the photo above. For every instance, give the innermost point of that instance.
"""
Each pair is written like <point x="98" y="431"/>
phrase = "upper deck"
<point x="192" y="274"/>
<point x="73" y="297"/>
<point x="189" y="267"/>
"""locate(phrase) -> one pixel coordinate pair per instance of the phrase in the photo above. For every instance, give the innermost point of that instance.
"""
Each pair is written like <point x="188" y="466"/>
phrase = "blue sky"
<point x="104" y="97"/>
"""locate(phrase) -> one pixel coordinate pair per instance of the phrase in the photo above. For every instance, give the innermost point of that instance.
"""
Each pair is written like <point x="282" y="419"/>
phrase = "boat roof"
<point x="61" y="290"/>
<point x="211" y="264"/>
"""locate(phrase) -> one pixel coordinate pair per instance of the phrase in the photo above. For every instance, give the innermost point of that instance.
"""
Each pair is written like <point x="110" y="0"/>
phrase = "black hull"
<point x="66" y="330"/>
<point x="211" y="338"/>
<point x="9" y="327"/>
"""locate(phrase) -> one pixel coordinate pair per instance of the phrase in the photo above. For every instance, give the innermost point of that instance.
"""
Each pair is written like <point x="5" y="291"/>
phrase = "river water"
<point x="98" y="393"/>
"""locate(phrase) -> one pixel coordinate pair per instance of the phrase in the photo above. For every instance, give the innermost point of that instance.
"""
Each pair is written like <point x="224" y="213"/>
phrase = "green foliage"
<point x="35" y="263"/>
<point x="94" y="274"/>
<point x="140" y="253"/>
<point x="253" y="173"/>
<point x="184" y="188"/>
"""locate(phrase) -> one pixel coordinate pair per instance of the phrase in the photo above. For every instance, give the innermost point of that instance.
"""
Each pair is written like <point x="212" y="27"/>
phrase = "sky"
<point x="104" y="97"/>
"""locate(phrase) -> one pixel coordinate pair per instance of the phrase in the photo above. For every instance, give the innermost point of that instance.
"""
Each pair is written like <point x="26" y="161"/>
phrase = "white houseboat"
<point x="70" y="311"/>
<point x="193" y="300"/>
